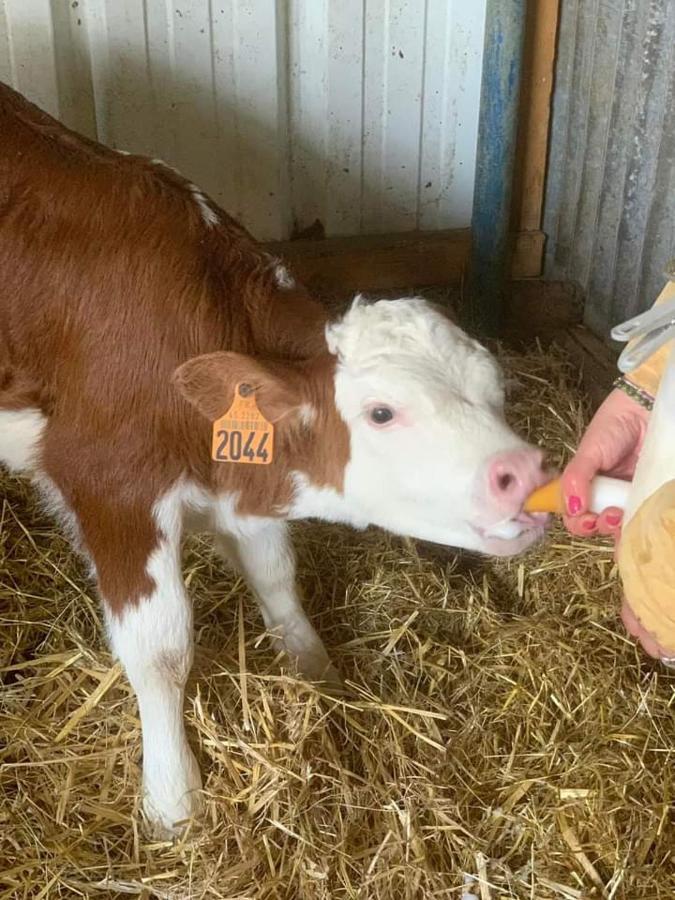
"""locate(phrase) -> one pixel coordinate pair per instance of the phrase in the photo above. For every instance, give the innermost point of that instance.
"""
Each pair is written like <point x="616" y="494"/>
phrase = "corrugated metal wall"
<point x="361" y="113"/>
<point x="610" y="204"/>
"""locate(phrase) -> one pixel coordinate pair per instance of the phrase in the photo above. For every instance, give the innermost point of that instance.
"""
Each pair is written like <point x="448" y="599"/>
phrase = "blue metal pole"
<point x="495" y="160"/>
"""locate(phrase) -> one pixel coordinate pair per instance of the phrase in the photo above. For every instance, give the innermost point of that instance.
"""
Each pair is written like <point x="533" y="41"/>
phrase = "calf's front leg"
<point x="264" y="555"/>
<point x="152" y="637"/>
<point x="132" y="537"/>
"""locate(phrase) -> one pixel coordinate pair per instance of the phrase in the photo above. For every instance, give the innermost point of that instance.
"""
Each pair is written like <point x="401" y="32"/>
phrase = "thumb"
<point x="576" y="481"/>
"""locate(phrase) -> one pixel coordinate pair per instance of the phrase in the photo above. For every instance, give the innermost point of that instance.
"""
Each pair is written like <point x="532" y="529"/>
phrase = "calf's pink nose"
<point x="514" y="475"/>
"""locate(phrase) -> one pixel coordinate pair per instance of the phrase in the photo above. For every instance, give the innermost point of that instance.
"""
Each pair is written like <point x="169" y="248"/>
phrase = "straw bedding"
<point x="500" y="738"/>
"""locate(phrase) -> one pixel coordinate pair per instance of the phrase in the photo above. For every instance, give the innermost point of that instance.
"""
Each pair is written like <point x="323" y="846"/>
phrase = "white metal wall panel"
<point x="610" y="196"/>
<point x="359" y="113"/>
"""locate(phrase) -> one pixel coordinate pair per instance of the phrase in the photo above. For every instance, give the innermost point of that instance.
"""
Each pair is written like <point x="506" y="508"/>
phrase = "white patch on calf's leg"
<point x="153" y="640"/>
<point x="20" y="434"/>
<point x="267" y="561"/>
<point x="260" y="548"/>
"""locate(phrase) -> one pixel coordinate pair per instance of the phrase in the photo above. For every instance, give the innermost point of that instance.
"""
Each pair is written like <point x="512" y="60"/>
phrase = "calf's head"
<point x="430" y="454"/>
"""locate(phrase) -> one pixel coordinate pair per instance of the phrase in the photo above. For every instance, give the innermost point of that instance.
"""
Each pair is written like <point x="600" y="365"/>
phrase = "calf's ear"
<point x="209" y="382"/>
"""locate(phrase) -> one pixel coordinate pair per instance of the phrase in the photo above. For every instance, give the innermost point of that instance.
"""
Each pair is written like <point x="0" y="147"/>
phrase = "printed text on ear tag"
<point x="243" y="434"/>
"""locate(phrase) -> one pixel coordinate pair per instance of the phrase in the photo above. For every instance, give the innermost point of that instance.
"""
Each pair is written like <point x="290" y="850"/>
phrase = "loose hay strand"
<point x="501" y="737"/>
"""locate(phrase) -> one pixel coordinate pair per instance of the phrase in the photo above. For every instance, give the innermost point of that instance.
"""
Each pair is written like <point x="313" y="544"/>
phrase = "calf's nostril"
<point x="504" y="481"/>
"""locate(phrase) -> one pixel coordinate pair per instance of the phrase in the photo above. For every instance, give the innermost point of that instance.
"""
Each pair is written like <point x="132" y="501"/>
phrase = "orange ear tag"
<point x="243" y="434"/>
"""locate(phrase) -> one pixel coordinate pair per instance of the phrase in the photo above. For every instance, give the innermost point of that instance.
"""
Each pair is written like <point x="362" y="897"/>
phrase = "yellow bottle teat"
<point x="546" y="499"/>
<point x="604" y="492"/>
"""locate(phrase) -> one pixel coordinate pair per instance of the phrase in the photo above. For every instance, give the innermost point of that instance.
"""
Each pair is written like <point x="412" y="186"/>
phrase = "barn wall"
<point x="610" y="203"/>
<point x="359" y="113"/>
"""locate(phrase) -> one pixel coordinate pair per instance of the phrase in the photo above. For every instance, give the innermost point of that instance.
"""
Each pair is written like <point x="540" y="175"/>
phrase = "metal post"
<point x="495" y="159"/>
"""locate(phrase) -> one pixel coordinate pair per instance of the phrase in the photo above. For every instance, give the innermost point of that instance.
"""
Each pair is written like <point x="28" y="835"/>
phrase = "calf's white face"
<point x="431" y="454"/>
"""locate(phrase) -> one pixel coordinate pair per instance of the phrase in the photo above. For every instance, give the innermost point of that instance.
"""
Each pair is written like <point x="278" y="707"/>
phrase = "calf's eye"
<point x="380" y="415"/>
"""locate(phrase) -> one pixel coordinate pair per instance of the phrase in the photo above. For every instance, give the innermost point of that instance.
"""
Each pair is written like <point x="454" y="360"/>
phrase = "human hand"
<point x="611" y="446"/>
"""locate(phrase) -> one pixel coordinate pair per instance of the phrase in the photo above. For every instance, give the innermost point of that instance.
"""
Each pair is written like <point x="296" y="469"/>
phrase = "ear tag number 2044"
<point x="243" y="434"/>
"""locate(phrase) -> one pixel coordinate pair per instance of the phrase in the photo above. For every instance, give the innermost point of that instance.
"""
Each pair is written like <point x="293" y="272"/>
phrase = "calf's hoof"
<point x="322" y="672"/>
<point x="171" y="798"/>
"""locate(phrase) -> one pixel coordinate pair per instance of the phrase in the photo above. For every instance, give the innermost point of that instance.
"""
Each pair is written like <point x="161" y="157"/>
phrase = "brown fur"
<point x="110" y="281"/>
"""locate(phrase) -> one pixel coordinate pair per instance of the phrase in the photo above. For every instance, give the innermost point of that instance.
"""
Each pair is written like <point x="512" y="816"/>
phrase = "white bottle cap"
<point x="606" y="491"/>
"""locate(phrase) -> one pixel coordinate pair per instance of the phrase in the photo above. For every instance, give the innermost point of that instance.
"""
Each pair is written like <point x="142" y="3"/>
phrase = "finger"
<point x="588" y="524"/>
<point x="575" y="483"/>
<point x="581" y="526"/>
<point x="609" y="520"/>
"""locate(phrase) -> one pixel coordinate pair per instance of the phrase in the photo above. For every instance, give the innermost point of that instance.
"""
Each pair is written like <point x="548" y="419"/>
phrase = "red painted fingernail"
<point x="613" y="519"/>
<point x="588" y="526"/>
<point x="574" y="505"/>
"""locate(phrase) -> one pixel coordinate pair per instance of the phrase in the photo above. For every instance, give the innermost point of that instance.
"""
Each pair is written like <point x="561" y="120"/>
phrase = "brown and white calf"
<point x="131" y="308"/>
